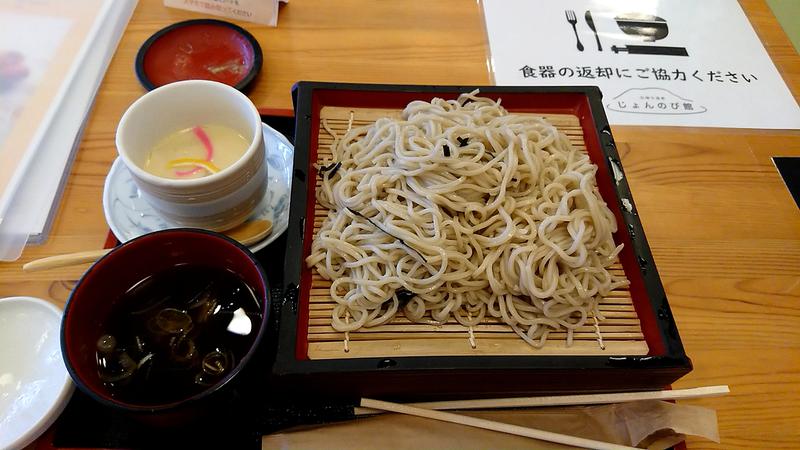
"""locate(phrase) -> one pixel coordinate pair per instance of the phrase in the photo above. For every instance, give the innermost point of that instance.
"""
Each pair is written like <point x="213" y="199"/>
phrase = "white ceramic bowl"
<point x="218" y="201"/>
<point x="34" y="383"/>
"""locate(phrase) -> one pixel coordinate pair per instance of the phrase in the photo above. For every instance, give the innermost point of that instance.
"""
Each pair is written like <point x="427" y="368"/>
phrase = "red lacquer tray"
<point x="642" y="348"/>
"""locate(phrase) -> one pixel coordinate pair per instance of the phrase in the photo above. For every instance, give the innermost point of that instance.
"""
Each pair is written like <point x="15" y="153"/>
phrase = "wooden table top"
<point x="723" y="228"/>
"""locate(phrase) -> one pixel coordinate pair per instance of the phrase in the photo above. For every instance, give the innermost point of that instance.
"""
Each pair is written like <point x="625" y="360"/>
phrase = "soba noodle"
<point x="463" y="210"/>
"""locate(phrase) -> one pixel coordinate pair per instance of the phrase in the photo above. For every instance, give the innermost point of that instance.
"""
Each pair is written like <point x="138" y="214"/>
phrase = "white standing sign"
<point x="259" y="11"/>
<point x="667" y="62"/>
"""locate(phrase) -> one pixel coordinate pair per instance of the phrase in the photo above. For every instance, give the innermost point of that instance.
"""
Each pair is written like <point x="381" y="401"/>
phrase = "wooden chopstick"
<point x="247" y="234"/>
<point x="492" y="425"/>
<point x="69" y="259"/>
<point x="565" y="400"/>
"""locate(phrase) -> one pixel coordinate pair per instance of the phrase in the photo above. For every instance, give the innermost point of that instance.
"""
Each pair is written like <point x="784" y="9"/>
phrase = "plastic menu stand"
<point x="29" y="213"/>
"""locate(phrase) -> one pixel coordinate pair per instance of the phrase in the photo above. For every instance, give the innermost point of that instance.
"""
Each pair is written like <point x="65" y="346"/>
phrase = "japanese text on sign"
<point x="643" y="73"/>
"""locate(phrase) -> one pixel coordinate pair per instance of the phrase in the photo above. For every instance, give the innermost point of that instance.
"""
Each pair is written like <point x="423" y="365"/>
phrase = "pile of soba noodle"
<point x="463" y="210"/>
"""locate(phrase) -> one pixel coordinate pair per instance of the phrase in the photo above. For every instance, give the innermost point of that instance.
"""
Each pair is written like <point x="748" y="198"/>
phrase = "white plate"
<point x="129" y="216"/>
<point x="34" y="384"/>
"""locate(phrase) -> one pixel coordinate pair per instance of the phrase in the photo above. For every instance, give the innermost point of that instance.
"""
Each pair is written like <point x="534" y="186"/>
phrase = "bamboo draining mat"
<point x="621" y="330"/>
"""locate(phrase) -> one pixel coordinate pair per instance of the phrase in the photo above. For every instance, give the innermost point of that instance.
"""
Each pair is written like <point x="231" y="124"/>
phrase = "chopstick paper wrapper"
<point x="650" y="424"/>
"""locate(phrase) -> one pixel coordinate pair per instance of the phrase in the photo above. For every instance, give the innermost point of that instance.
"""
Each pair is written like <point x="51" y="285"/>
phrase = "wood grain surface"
<point x="723" y="228"/>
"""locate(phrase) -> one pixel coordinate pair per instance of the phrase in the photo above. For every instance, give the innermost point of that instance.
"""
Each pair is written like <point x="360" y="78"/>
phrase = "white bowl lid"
<point x="34" y="383"/>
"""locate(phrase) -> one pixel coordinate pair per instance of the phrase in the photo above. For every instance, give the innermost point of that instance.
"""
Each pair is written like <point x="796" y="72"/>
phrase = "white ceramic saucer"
<point x="34" y="383"/>
<point x="129" y="216"/>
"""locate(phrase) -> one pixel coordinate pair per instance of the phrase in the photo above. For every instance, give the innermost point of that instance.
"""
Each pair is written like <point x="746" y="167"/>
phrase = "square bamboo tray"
<point x="619" y="334"/>
<point x="641" y="347"/>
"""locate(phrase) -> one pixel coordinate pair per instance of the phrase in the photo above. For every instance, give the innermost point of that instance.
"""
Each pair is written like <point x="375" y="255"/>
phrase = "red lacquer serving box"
<point x="640" y="346"/>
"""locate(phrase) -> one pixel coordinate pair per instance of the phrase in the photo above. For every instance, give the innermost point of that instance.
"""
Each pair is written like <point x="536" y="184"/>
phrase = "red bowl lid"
<point x="203" y="49"/>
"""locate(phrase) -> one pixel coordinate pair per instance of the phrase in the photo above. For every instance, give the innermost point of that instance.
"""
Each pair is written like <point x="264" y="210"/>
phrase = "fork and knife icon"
<point x="573" y="20"/>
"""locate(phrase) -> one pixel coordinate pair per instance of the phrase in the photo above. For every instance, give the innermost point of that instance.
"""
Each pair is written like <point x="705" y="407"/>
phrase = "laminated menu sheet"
<point x="657" y="62"/>
<point x="53" y="55"/>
